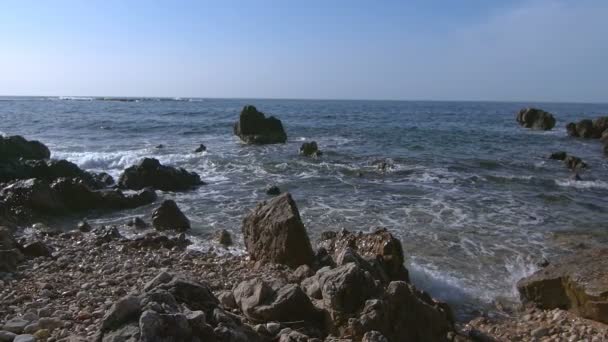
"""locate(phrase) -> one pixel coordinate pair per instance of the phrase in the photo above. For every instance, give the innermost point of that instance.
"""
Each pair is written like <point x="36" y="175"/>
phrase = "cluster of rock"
<point x="150" y="173"/>
<point x="535" y="118"/>
<point x="590" y="129"/>
<point x="253" y="127"/>
<point x="571" y="162"/>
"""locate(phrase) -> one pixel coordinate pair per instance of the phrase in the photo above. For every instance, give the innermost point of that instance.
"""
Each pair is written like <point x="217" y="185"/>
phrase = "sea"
<point x="473" y="197"/>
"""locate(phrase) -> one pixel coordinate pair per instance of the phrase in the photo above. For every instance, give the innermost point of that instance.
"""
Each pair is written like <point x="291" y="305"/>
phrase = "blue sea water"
<point x="472" y="196"/>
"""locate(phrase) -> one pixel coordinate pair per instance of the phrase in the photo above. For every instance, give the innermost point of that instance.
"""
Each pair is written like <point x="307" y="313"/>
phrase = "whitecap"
<point x="582" y="184"/>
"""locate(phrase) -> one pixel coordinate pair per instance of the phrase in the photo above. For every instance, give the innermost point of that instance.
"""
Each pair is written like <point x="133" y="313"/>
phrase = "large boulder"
<point x="151" y="173"/>
<point x="32" y="194"/>
<point x="171" y="308"/>
<point x="586" y="128"/>
<point x="403" y="313"/>
<point x="254" y="127"/>
<point x="274" y="232"/>
<point x="15" y="147"/>
<point x="259" y="301"/>
<point x="535" y="118"/>
<point x="379" y="245"/>
<point x="169" y="217"/>
<point x="578" y="282"/>
<point x="50" y="170"/>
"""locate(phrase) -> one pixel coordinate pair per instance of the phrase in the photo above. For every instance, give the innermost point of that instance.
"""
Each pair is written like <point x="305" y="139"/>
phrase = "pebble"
<point x="6" y="336"/>
<point x="25" y="338"/>
<point x="15" y="325"/>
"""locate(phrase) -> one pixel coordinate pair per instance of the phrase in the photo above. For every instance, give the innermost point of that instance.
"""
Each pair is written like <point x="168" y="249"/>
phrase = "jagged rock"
<point x="201" y="148"/>
<point x="169" y="216"/>
<point x="310" y="149"/>
<point x="273" y="190"/>
<point x="574" y="163"/>
<point x="36" y="249"/>
<point x="558" y="155"/>
<point x="578" y="282"/>
<point x="535" y="118"/>
<point x="260" y="302"/>
<point x="47" y="170"/>
<point x="254" y="128"/>
<point x="15" y="147"/>
<point x="274" y="232"/>
<point x="380" y="245"/>
<point x="223" y="237"/>
<point x="150" y="173"/>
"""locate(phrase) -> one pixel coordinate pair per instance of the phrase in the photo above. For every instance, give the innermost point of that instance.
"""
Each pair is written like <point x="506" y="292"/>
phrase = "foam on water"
<point x="582" y="184"/>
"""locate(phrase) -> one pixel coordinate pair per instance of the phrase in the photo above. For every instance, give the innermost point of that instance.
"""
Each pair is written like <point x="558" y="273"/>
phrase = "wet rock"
<point x="159" y="146"/>
<point x="84" y="226"/>
<point x="273" y="191"/>
<point x="576" y="177"/>
<point x="590" y="129"/>
<point x="103" y="178"/>
<point x="137" y="222"/>
<point x="379" y="245"/>
<point x="254" y="127"/>
<point x="535" y="118"/>
<point x="223" y="237"/>
<point x="274" y="232"/>
<point x="15" y="147"/>
<point x="150" y="173"/>
<point x="310" y="149"/>
<point x="7" y="336"/>
<point x="558" y="155"/>
<point x="201" y="148"/>
<point x="578" y="283"/>
<point x="15" y="325"/>
<point x="33" y="194"/>
<point x="156" y="241"/>
<point x="373" y="336"/>
<point x="169" y="217"/>
<point x="574" y="163"/>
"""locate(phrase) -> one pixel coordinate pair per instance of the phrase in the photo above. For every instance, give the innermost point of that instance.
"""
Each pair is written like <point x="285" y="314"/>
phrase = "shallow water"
<point x="472" y="195"/>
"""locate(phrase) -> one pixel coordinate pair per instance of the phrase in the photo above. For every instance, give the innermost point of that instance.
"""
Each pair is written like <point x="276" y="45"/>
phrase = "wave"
<point x="582" y="184"/>
<point x="76" y="98"/>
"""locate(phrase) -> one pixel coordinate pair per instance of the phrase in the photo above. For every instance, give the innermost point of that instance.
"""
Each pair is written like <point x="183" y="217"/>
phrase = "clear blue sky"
<point x="536" y="50"/>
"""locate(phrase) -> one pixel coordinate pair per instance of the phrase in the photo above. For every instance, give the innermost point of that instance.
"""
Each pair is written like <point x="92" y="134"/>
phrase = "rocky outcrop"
<point x="151" y="173"/>
<point x="16" y="147"/>
<point x="378" y="246"/>
<point x="172" y="309"/>
<point x="590" y="129"/>
<point x="310" y="149"/>
<point x="574" y="163"/>
<point x="169" y="217"/>
<point x="535" y="118"/>
<point x="578" y="283"/>
<point x="274" y="232"/>
<point x="254" y="127"/>
<point x="50" y="170"/>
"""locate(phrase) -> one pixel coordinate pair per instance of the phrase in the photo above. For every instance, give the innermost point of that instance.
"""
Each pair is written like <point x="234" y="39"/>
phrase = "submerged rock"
<point x="254" y="127"/>
<point x="310" y="149"/>
<point x="150" y="173"/>
<point x="558" y="155"/>
<point x="169" y="217"/>
<point x="201" y="148"/>
<point x="16" y="146"/>
<point x="578" y="283"/>
<point x="273" y="190"/>
<point x="574" y="163"/>
<point x="274" y="232"/>
<point x="535" y="118"/>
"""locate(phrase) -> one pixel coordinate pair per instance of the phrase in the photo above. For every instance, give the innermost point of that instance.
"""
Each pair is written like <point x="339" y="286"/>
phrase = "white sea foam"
<point x="582" y="184"/>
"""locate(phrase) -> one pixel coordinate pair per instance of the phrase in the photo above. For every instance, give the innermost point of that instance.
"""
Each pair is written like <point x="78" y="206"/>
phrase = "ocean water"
<point x="472" y="196"/>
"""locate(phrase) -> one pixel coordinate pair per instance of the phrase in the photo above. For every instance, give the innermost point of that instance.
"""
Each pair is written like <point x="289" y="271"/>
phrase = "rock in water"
<point x="274" y="232"/>
<point x="558" y="155"/>
<point x="224" y="238"/>
<point x="15" y="147"/>
<point x="574" y="163"/>
<point x="273" y="190"/>
<point x="254" y="127"/>
<point x="201" y="148"/>
<point x="589" y="129"/>
<point x="578" y="283"/>
<point x="310" y="149"/>
<point x="536" y="119"/>
<point x="168" y="216"/>
<point x="150" y="173"/>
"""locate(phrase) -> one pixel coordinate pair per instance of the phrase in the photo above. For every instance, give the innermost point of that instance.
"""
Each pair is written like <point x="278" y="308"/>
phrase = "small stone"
<point x="50" y="323"/>
<point x="540" y="332"/>
<point x="25" y="338"/>
<point x="31" y="328"/>
<point x="42" y="334"/>
<point x="15" y="325"/>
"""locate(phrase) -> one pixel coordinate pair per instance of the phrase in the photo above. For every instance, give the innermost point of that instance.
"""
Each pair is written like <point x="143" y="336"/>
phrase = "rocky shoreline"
<point x="94" y="284"/>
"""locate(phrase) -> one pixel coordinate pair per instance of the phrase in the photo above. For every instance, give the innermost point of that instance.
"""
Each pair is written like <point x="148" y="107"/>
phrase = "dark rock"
<point x="201" y="148"/>
<point x="574" y="163"/>
<point x="273" y="191"/>
<point x="48" y="170"/>
<point x="103" y="178"/>
<point x="590" y="129"/>
<point x="33" y="194"/>
<point x="36" y="249"/>
<point x="15" y="147"/>
<point x="260" y="302"/>
<point x="576" y="177"/>
<point x="10" y="255"/>
<point x="169" y="217"/>
<point x="535" y="118"/>
<point x="604" y="137"/>
<point x="254" y="128"/>
<point x="310" y="149"/>
<point x="155" y="241"/>
<point x="600" y="125"/>
<point x="403" y="313"/>
<point x="159" y="146"/>
<point x="223" y="237"/>
<point x="274" y="232"/>
<point x="84" y="227"/>
<point x="107" y="234"/>
<point x="137" y="222"/>
<point x="558" y="155"/>
<point x="578" y="282"/>
<point x="584" y="129"/>
<point x="150" y="173"/>
<point x="379" y="245"/>
<point x="571" y="129"/>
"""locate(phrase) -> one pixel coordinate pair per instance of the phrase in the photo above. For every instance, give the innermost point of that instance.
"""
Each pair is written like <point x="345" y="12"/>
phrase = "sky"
<point x="507" y="50"/>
